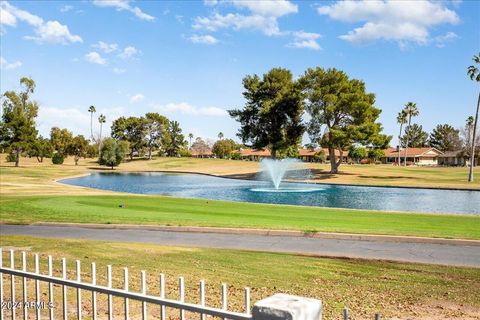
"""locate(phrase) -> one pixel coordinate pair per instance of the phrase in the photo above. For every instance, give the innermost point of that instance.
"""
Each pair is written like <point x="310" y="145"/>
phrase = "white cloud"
<point x="137" y="98"/>
<point x="263" y="17"/>
<point x="7" y="66"/>
<point x="118" y="70"/>
<point x="66" y="8"/>
<point x="95" y="57"/>
<point x="46" y="32"/>
<point x="400" y="21"/>
<point x="106" y="47"/>
<point x="205" y="39"/>
<point x="129" y="52"/>
<point x="121" y="5"/>
<point x="306" y="40"/>
<point x="441" y="41"/>
<point x="188" y="109"/>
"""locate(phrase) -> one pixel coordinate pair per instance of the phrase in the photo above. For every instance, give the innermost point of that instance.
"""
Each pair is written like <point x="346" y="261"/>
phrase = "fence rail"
<point x="94" y="288"/>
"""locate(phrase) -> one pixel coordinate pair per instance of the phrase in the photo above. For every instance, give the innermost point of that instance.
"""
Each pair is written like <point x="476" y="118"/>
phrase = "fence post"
<point x="283" y="306"/>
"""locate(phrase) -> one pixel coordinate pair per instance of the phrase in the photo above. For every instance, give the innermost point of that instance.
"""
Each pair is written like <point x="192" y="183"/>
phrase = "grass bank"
<point x="400" y="290"/>
<point x="161" y="210"/>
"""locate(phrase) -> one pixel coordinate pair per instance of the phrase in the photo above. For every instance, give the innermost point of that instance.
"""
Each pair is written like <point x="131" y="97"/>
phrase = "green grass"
<point x="194" y="212"/>
<point x="403" y="290"/>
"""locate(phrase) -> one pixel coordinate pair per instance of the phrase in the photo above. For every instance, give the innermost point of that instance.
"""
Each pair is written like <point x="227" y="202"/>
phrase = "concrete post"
<point x="287" y="307"/>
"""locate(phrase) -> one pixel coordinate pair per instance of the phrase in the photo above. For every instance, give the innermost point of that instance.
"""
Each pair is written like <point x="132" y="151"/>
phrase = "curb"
<point x="269" y="232"/>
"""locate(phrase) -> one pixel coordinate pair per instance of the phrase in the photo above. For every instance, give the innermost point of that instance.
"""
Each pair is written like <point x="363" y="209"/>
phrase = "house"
<point x="418" y="156"/>
<point x="457" y="158"/>
<point x="201" y="153"/>
<point x="308" y="155"/>
<point x="254" y="155"/>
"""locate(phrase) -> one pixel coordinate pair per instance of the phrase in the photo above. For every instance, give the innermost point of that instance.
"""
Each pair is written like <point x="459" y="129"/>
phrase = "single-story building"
<point x="418" y="156"/>
<point x="254" y="155"/>
<point x="201" y="153"/>
<point x="456" y="158"/>
<point x="308" y="155"/>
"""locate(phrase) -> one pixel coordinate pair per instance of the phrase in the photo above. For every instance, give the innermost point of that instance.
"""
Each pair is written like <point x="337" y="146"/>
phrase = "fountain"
<point x="289" y="169"/>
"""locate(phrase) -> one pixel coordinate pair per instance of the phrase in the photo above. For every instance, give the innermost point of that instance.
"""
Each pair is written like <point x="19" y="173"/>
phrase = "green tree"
<point x="342" y="112"/>
<point x="92" y="110"/>
<point x="445" y="138"/>
<point x="78" y="148"/>
<point x="220" y="135"/>
<point x="41" y="148"/>
<point x="411" y="110"/>
<point x="157" y="130"/>
<point x="401" y="120"/>
<point x="375" y="154"/>
<point x="224" y="148"/>
<point x="17" y="128"/>
<point x="113" y="152"/>
<point x="61" y="140"/>
<point x="176" y="139"/>
<point x="190" y="137"/>
<point x="101" y="119"/>
<point x="357" y="153"/>
<point x="271" y="117"/>
<point x="131" y="129"/>
<point x="415" y="137"/>
<point x="474" y="74"/>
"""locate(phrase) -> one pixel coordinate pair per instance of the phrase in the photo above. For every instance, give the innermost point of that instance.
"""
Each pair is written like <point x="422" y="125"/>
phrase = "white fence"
<point x="161" y="301"/>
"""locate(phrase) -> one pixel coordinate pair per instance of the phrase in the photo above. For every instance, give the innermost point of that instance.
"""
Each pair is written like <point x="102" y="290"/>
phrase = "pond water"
<point x="319" y="195"/>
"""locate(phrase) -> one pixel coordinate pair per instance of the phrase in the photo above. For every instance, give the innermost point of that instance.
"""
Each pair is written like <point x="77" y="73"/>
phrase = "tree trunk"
<point x="38" y="159"/>
<point x="91" y="126"/>
<point x="339" y="160"/>
<point x="333" y="160"/>
<point x="149" y="153"/>
<point x="17" y="159"/>
<point x="472" y="153"/>
<point x="274" y="153"/>
<point x="76" y="158"/>
<point x="399" y="143"/>
<point x="131" y="156"/>
<point x="406" y="144"/>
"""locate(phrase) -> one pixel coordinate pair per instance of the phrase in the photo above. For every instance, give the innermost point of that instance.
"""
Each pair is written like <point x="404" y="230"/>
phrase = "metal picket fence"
<point x="160" y="301"/>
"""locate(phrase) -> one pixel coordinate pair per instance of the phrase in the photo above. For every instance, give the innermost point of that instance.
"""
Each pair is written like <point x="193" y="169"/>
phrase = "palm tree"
<point x="220" y="135"/>
<point x="190" y="137"/>
<point x="101" y="119"/>
<point x="401" y="120"/>
<point x="474" y="74"/>
<point x="92" y="110"/>
<point x="410" y="110"/>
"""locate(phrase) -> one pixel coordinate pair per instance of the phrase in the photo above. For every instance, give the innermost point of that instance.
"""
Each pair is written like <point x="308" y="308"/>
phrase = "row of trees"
<point x="341" y="112"/>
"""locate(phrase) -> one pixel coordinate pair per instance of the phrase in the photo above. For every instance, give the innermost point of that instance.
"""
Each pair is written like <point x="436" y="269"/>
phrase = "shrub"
<point x="57" y="158"/>
<point x="11" y="157"/>
<point x="235" y="155"/>
<point x="365" y="161"/>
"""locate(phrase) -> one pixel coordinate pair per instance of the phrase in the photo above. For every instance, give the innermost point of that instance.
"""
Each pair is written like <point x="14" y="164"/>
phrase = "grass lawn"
<point x="194" y="212"/>
<point x="394" y="289"/>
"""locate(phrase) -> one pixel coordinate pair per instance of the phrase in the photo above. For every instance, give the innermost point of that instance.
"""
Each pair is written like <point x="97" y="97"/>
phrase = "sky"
<point x="186" y="60"/>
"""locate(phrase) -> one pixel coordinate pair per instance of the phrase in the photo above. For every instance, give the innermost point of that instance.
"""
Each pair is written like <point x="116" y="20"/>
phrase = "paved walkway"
<point x="434" y="253"/>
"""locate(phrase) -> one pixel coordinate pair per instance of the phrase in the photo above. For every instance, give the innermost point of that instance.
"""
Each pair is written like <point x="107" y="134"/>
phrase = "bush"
<point x="57" y="158"/>
<point x="11" y="157"/>
<point x="365" y="161"/>
<point x="235" y="155"/>
<point x="184" y="152"/>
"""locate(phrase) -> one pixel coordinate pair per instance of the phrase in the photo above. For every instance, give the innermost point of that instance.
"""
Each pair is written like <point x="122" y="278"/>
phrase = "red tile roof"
<point x="413" y="152"/>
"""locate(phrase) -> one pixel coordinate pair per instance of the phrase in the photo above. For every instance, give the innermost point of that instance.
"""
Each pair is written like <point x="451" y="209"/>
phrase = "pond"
<point x="318" y="195"/>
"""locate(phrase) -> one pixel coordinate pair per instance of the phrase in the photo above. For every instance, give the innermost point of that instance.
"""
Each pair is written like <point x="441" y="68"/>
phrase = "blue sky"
<point x="186" y="60"/>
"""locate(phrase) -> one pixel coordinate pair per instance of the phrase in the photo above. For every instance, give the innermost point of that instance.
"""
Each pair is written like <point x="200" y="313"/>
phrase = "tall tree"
<point x="401" y="120"/>
<point x="474" y="74"/>
<point x="190" y="137"/>
<point x="200" y="147"/>
<point x="78" y="148"/>
<point x="342" y="113"/>
<point x="101" y="119"/>
<point x="157" y="130"/>
<point x="271" y="117"/>
<point x="61" y="140"/>
<point x="445" y="138"/>
<point x="17" y="128"/>
<point x="412" y="111"/>
<point x="415" y="136"/>
<point x="176" y="139"/>
<point x="132" y="130"/>
<point x="220" y="135"/>
<point x="92" y="110"/>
